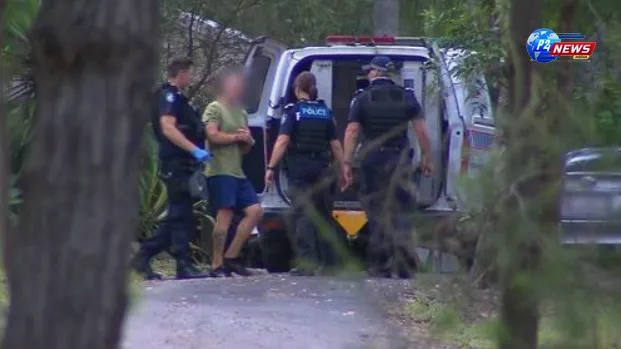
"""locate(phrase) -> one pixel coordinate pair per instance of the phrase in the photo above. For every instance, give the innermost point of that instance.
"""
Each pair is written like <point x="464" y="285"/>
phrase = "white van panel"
<point x="322" y="70"/>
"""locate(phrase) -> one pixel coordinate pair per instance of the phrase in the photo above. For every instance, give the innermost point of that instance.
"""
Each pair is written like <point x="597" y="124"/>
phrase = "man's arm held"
<point x="215" y="136"/>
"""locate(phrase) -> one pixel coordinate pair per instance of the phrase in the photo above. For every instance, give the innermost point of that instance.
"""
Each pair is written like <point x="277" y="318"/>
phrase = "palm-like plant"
<point x="152" y="191"/>
<point x="17" y="52"/>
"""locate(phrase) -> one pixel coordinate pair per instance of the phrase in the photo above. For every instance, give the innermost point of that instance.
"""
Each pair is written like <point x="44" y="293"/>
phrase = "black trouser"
<point x="176" y="229"/>
<point x="387" y="197"/>
<point x="312" y="184"/>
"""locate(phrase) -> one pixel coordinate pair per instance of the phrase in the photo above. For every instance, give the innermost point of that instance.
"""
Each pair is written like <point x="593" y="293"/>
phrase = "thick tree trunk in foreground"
<point x="519" y="312"/>
<point x="386" y="17"/>
<point x="95" y="64"/>
<point x="5" y="170"/>
<point x="565" y="82"/>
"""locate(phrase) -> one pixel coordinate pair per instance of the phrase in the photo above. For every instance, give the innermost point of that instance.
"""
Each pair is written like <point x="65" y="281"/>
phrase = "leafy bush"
<point x="152" y="192"/>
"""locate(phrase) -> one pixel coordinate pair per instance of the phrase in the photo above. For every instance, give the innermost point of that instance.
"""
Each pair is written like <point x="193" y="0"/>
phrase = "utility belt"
<point x="184" y="176"/>
<point x="319" y="155"/>
<point x="184" y="165"/>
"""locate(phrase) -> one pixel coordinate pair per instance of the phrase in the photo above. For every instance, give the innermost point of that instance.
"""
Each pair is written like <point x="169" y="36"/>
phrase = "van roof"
<point x="344" y="50"/>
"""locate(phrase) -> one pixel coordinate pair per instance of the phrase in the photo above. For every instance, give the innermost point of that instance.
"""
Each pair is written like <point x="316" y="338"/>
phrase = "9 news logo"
<point x="545" y="46"/>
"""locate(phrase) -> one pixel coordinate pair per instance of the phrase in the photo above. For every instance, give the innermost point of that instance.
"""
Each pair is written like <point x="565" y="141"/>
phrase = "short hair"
<point x="226" y="72"/>
<point x="177" y="65"/>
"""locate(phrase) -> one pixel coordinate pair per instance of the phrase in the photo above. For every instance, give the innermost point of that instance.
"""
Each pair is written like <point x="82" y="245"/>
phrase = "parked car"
<point x="591" y="197"/>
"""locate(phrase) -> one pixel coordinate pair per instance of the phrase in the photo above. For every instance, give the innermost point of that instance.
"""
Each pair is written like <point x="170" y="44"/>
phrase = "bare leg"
<point x="252" y="216"/>
<point x="223" y="222"/>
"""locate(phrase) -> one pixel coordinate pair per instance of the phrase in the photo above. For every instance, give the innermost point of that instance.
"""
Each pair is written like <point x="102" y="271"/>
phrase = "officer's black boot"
<point x="141" y="263"/>
<point x="406" y="263"/>
<point x="185" y="270"/>
<point x="379" y="266"/>
<point x="404" y="271"/>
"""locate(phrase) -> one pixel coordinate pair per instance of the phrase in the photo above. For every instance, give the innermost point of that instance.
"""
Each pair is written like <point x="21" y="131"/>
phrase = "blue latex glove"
<point x="201" y="155"/>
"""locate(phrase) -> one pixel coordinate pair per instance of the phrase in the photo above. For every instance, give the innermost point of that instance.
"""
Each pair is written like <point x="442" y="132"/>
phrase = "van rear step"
<point x="347" y="205"/>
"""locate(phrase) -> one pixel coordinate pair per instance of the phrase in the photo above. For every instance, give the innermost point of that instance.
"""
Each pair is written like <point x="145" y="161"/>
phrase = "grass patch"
<point x="449" y="324"/>
<point x="445" y="323"/>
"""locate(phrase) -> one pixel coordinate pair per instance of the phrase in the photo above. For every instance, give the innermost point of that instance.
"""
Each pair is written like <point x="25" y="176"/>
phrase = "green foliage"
<point x="308" y="22"/>
<point x="15" y="200"/>
<point x="152" y="191"/>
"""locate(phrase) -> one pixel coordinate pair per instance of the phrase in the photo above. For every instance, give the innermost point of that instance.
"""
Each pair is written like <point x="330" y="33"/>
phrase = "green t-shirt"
<point x="227" y="159"/>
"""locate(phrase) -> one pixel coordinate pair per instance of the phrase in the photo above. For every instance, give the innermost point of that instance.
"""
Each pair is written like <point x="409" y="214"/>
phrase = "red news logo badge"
<point x="577" y="50"/>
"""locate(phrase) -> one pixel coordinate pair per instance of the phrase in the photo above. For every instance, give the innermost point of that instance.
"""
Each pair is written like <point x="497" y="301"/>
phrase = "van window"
<point x="257" y="75"/>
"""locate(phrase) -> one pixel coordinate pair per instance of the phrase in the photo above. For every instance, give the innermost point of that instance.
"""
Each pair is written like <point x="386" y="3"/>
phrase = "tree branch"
<point x="193" y="90"/>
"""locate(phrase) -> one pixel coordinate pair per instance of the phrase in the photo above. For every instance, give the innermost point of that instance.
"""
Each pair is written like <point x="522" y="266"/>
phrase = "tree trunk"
<point x="95" y="64"/>
<point x="386" y="17"/>
<point x="5" y="154"/>
<point x="519" y="310"/>
<point x="565" y="80"/>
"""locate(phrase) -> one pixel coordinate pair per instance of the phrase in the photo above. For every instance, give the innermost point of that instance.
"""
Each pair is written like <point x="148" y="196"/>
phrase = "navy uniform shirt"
<point x="356" y="112"/>
<point x="289" y="120"/>
<point x="174" y="103"/>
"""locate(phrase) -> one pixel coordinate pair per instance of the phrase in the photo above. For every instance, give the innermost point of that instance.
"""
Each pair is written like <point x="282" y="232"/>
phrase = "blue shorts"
<point x="228" y="192"/>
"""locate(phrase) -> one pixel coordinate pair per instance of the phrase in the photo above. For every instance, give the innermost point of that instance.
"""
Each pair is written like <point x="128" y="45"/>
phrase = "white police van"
<point x="457" y="116"/>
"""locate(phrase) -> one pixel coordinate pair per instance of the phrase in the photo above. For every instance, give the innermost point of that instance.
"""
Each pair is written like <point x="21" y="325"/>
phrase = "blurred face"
<point x="372" y="74"/>
<point x="233" y="88"/>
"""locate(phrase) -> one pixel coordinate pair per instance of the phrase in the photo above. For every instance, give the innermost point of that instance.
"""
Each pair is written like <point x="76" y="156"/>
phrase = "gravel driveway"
<point x="265" y="311"/>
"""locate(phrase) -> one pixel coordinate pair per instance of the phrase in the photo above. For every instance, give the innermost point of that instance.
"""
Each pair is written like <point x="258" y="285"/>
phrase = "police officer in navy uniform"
<point x="308" y="127"/>
<point x="181" y="136"/>
<point x="383" y="112"/>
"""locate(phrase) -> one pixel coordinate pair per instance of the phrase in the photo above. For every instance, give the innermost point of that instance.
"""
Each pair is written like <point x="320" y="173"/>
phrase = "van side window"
<point x="254" y="89"/>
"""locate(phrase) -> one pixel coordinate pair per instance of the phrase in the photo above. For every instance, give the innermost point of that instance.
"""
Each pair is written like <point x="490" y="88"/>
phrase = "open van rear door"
<point x="471" y="128"/>
<point x="261" y="65"/>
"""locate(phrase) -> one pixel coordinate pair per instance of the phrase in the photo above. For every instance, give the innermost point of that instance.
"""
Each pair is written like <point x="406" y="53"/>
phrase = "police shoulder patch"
<point x="170" y="97"/>
<point x="283" y="119"/>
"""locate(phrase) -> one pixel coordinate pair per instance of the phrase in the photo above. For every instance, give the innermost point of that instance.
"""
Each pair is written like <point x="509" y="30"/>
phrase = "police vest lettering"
<point x="313" y="111"/>
<point x="311" y="128"/>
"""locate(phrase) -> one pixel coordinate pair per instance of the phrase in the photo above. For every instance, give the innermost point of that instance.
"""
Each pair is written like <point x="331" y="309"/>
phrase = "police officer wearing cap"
<point x="383" y="112"/>
<point x="309" y="128"/>
<point x="181" y="136"/>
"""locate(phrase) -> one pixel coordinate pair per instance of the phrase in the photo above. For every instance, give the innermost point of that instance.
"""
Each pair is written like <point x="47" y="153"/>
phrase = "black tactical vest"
<point x="155" y="114"/>
<point x="188" y="122"/>
<point x="385" y="110"/>
<point x="312" y="122"/>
